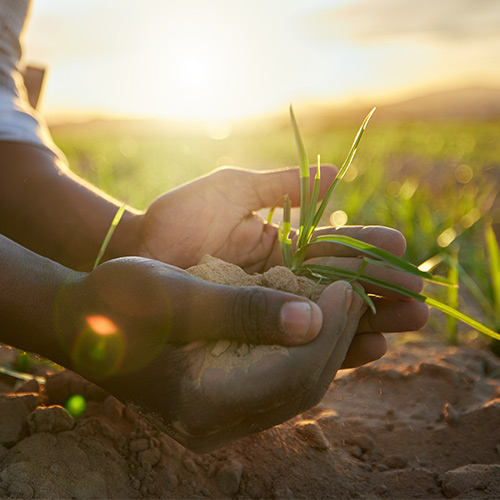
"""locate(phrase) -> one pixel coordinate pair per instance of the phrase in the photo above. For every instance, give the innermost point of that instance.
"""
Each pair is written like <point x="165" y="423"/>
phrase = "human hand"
<point x="394" y="312"/>
<point x="155" y="337"/>
<point x="216" y="215"/>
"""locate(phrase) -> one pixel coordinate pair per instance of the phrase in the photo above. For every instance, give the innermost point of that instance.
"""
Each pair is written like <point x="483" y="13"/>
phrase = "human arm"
<point x="214" y="214"/>
<point x="51" y="211"/>
<point x="131" y="327"/>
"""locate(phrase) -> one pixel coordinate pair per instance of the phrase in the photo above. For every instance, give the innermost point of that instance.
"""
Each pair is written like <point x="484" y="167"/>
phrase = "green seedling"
<point x="310" y="216"/>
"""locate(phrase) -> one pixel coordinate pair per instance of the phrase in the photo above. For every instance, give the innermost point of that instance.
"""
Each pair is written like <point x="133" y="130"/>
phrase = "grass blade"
<point x="284" y="233"/>
<point x="308" y="228"/>
<point x="386" y="258"/>
<point x="343" y="169"/>
<point x="338" y="273"/>
<point x="304" y="170"/>
<point x="109" y="234"/>
<point x="452" y="296"/>
<point x="494" y="256"/>
<point x="272" y="210"/>
<point x="365" y="296"/>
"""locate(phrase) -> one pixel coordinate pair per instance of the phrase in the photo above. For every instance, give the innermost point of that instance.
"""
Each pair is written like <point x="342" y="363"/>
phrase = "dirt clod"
<point x="312" y="434"/>
<point x="50" y="419"/>
<point x="229" y="477"/>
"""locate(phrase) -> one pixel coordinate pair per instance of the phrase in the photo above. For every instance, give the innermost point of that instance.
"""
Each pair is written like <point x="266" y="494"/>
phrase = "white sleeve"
<point x="19" y="122"/>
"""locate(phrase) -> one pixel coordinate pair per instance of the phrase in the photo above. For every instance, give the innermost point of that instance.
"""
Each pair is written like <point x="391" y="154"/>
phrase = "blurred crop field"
<point x="437" y="181"/>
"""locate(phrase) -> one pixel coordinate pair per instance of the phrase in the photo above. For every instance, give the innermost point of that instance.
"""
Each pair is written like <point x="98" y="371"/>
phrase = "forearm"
<point x="46" y="208"/>
<point x="30" y="287"/>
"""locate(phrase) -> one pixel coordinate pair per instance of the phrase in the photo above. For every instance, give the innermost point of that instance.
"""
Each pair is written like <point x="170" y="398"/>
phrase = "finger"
<point x="257" y="190"/>
<point x="394" y="316"/>
<point x="273" y="386"/>
<point x="365" y="347"/>
<point x="253" y="315"/>
<point x="399" y="278"/>
<point x="382" y="237"/>
<point x="341" y="348"/>
<point x="308" y="381"/>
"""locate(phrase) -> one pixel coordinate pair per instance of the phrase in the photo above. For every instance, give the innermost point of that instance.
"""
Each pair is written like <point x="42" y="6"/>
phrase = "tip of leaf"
<point x="367" y="119"/>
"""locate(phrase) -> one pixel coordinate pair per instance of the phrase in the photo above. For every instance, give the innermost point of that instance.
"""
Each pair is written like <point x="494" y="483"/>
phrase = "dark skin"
<point x="159" y="323"/>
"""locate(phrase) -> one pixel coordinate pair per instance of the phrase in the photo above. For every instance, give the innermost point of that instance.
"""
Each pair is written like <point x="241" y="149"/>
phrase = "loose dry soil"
<point x="423" y="422"/>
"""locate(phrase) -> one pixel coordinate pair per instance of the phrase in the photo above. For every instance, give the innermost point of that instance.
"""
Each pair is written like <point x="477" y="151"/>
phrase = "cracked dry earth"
<point x="422" y="422"/>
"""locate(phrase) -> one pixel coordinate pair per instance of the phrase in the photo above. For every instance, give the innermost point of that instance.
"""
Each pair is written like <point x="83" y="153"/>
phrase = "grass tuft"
<point x="310" y="215"/>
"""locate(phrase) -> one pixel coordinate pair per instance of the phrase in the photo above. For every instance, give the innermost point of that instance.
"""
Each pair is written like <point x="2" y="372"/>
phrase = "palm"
<point x="216" y="215"/>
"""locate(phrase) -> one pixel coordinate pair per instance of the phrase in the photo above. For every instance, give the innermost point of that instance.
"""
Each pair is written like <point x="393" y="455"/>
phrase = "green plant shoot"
<point x="310" y="216"/>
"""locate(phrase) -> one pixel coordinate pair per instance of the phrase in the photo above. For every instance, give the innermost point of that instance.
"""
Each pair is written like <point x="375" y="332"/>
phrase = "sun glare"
<point x="201" y="67"/>
<point x="101" y="325"/>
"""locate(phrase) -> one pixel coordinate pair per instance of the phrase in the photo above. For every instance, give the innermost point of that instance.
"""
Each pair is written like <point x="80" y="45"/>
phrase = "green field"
<point x="435" y="181"/>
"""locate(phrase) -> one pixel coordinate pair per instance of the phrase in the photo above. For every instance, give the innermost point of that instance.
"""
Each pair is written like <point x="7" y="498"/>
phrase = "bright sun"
<point x="203" y="66"/>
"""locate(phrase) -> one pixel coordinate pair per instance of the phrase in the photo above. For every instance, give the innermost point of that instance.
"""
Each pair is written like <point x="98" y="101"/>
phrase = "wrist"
<point x="29" y="298"/>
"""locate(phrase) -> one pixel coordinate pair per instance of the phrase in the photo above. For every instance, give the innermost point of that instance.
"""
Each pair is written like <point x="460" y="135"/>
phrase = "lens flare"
<point x="76" y="405"/>
<point x="101" y="325"/>
<point x="99" y="348"/>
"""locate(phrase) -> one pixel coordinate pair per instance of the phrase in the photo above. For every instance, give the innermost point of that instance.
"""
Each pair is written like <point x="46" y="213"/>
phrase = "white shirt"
<point x="19" y="122"/>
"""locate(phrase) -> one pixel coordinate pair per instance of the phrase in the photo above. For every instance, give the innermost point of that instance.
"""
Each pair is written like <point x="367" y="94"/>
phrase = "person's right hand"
<point x="176" y="348"/>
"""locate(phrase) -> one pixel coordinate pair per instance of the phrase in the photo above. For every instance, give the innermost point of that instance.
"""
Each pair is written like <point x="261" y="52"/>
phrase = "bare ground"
<point x="423" y="422"/>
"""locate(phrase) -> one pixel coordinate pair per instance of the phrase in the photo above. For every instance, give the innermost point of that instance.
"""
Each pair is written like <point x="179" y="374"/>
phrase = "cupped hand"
<point x="192" y="357"/>
<point x="216" y="215"/>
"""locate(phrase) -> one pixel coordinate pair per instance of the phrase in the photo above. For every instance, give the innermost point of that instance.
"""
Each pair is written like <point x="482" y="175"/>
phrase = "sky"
<point x="219" y="60"/>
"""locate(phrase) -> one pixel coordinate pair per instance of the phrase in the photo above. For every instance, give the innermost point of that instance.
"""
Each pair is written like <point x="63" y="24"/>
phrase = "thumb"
<point x="253" y="315"/>
<point x="263" y="189"/>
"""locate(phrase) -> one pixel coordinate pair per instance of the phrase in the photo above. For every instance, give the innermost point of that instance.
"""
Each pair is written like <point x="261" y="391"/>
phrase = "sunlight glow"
<point x="101" y="325"/>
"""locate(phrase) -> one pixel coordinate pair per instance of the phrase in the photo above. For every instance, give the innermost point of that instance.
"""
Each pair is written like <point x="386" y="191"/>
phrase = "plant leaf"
<point x="284" y="233"/>
<point x="304" y="170"/>
<point x="386" y="258"/>
<point x="494" y="256"/>
<point x="273" y="209"/>
<point x="111" y="230"/>
<point x="343" y="169"/>
<point x="338" y="273"/>
<point x="308" y="228"/>
<point x="365" y="296"/>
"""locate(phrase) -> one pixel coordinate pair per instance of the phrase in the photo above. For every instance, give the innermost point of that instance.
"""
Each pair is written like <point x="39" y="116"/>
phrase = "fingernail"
<point x="348" y="298"/>
<point x="301" y="320"/>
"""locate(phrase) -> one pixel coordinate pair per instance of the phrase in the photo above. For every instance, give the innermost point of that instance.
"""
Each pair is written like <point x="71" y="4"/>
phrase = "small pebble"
<point x="355" y="451"/>
<point x="138" y="445"/>
<point x="396" y="462"/>
<point x="149" y="458"/>
<point x="21" y="490"/>
<point x="167" y="480"/>
<point x="451" y="416"/>
<point x="189" y="465"/>
<point x="220" y="347"/>
<point x="243" y="349"/>
<point x="312" y="433"/>
<point x="229" y="477"/>
<point x="50" y="419"/>
<point x="56" y="469"/>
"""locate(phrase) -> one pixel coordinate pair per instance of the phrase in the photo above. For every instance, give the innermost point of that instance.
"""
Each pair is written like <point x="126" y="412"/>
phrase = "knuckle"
<point x="248" y="314"/>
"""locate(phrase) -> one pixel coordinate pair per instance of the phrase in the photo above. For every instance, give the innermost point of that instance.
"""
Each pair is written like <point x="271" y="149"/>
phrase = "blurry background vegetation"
<point x="432" y="175"/>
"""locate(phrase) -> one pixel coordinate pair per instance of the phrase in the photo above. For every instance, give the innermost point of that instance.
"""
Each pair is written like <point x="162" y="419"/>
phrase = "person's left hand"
<point x="216" y="215"/>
